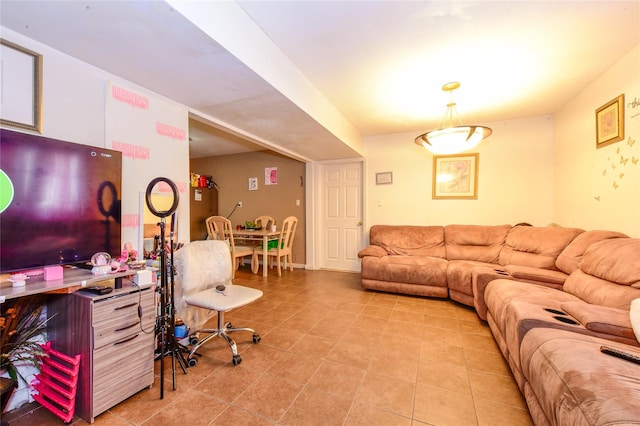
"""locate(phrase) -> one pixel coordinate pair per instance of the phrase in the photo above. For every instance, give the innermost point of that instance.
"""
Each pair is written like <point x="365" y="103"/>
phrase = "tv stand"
<point x="74" y="279"/>
<point x="114" y="334"/>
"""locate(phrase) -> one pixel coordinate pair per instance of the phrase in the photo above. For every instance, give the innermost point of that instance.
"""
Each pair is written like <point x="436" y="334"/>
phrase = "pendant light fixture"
<point x="452" y="137"/>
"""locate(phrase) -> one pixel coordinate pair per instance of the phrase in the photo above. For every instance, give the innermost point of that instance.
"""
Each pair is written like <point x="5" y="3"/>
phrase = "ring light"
<point x="176" y="197"/>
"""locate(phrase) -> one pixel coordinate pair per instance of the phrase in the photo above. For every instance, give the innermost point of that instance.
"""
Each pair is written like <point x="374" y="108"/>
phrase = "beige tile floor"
<point x="333" y="354"/>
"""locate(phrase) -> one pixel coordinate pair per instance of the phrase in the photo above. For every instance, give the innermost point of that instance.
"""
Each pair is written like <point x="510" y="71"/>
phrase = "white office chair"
<point x="203" y="285"/>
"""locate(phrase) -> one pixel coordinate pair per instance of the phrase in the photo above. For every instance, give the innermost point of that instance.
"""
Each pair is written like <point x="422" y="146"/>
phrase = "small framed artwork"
<point x="610" y="122"/>
<point x="455" y="177"/>
<point x="384" y="178"/>
<point x="271" y="176"/>
<point x="20" y="87"/>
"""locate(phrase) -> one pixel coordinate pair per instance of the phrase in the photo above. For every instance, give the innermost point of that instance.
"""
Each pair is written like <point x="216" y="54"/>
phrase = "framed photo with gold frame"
<point x="20" y="87"/>
<point x="610" y="122"/>
<point x="455" y="177"/>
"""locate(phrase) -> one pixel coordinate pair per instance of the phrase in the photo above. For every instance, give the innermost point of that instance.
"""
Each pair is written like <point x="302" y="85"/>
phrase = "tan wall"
<point x="232" y="173"/>
<point x="201" y="209"/>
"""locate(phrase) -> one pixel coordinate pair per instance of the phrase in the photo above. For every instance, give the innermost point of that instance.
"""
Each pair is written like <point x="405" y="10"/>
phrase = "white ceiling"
<point x="378" y="65"/>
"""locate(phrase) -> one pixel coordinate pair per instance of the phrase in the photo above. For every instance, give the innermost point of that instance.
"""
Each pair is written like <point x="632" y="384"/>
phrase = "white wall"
<point x="74" y="96"/>
<point x="600" y="188"/>
<point x="515" y="182"/>
<point x="73" y="109"/>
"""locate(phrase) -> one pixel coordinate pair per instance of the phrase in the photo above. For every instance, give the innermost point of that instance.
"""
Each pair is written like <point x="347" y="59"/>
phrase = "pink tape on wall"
<point x="127" y="96"/>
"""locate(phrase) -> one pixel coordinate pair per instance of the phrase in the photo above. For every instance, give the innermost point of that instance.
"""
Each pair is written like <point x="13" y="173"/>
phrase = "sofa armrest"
<point x="548" y="277"/>
<point x="601" y="319"/>
<point x="375" y="251"/>
<point x="480" y="278"/>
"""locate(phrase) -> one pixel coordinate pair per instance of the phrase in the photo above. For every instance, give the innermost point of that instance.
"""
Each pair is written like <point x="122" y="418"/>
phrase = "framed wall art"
<point x="20" y="87"/>
<point x="271" y="176"/>
<point x="455" y="177"/>
<point x="384" y="178"/>
<point x="610" y="122"/>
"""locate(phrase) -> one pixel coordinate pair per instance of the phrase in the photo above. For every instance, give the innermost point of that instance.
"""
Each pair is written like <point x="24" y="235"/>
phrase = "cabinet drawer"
<point x="121" y="369"/>
<point x="116" y="318"/>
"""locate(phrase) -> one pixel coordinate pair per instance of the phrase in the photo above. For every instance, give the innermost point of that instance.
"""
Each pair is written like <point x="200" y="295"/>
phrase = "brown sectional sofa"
<point x="550" y="295"/>
<point x="568" y="381"/>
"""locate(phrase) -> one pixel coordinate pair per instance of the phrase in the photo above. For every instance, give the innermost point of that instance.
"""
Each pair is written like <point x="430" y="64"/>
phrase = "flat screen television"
<point x="59" y="201"/>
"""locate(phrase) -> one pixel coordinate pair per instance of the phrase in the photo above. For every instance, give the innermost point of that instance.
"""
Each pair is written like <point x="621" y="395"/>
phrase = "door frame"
<point x="315" y="229"/>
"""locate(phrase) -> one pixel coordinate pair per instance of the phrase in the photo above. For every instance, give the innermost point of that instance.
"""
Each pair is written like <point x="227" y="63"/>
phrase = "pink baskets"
<point x="57" y="383"/>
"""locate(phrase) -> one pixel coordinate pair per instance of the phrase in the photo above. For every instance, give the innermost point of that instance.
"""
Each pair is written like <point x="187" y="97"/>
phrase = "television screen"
<point x="59" y="201"/>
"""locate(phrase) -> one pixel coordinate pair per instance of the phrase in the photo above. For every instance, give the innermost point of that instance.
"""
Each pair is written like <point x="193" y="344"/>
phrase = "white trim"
<point x="311" y="200"/>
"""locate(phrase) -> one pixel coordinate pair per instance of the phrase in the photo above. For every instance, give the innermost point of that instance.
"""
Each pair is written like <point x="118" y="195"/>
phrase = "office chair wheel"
<point x="193" y="340"/>
<point x="256" y="338"/>
<point x="192" y="362"/>
<point x="237" y="359"/>
<point x="228" y="325"/>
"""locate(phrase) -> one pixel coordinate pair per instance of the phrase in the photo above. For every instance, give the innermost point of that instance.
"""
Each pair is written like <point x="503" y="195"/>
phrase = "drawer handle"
<point x="128" y="327"/>
<point x="125" y="306"/>
<point x="126" y="340"/>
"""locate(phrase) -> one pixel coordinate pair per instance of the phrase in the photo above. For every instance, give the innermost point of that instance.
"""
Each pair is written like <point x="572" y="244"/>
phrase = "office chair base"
<point x="223" y="331"/>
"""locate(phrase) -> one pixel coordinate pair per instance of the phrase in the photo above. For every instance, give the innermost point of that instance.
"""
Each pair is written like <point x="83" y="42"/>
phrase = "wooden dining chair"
<point x="284" y="250"/>
<point x="264" y="222"/>
<point x="219" y="228"/>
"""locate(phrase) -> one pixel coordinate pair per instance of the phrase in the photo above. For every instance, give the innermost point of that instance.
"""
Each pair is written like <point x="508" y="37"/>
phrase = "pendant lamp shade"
<point x="450" y="138"/>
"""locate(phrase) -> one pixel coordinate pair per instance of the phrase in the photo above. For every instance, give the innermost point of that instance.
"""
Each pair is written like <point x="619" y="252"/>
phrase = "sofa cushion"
<point x="537" y="247"/>
<point x="574" y="383"/>
<point x="406" y="269"/>
<point x="601" y="319"/>
<point x="475" y="242"/>
<point x="571" y="256"/>
<point x="609" y="274"/>
<point x="502" y="292"/>
<point x="409" y="240"/>
<point x="615" y="260"/>
<point x="600" y="292"/>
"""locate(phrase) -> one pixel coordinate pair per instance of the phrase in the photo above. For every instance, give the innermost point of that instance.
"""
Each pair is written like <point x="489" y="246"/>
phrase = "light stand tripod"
<point x="168" y="344"/>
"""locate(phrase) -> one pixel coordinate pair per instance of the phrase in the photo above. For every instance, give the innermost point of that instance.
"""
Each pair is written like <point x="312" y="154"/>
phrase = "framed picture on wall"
<point x="384" y="178"/>
<point x="610" y="122"/>
<point x="20" y="87"/>
<point x="455" y="177"/>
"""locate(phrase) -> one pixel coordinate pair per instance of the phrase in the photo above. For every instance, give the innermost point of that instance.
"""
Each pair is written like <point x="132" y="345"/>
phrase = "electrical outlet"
<point x="239" y="203"/>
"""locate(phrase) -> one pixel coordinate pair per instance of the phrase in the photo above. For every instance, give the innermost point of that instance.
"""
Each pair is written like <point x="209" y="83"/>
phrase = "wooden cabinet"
<point x="114" y="333"/>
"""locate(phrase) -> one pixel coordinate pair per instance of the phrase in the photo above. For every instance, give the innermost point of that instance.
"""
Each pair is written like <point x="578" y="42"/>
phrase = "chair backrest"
<point x="203" y="264"/>
<point x="219" y="228"/>
<point x="264" y="221"/>
<point x="287" y="233"/>
<point x="200" y="265"/>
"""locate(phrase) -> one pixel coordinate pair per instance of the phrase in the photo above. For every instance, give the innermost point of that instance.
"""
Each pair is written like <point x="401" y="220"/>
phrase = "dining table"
<point x="265" y="235"/>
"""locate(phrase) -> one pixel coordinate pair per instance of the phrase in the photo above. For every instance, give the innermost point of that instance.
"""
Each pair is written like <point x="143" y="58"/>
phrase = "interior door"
<point x="341" y="216"/>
